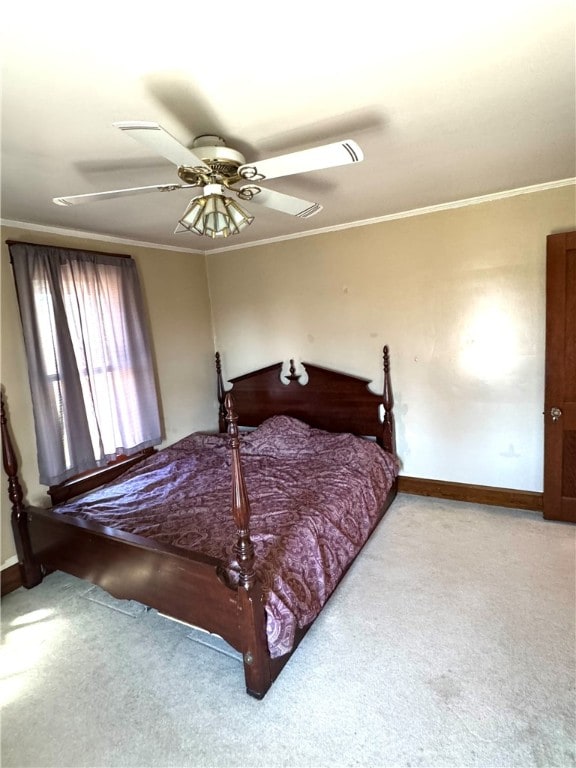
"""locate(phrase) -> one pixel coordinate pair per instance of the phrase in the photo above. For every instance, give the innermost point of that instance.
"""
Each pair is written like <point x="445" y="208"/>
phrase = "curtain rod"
<point x="65" y="248"/>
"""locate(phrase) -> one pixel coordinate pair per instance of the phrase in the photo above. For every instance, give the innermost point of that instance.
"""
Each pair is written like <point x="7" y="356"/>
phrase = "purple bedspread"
<point x="314" y="497"/>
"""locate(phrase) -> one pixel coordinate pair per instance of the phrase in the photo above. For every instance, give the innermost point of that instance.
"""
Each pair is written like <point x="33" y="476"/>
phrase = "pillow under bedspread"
<point x="314" y="497"/>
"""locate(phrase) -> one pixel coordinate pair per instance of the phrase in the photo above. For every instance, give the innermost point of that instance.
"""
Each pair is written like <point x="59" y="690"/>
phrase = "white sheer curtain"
<point x="89" y="357"/>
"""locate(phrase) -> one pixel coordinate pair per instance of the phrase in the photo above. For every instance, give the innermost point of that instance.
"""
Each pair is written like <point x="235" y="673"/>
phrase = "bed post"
<point x="252" y="616"/>
<point x="221" y="396"/>
<point x="244" y="549"/>
<point x="388" y="432"/>
<point x="30" y="571"/>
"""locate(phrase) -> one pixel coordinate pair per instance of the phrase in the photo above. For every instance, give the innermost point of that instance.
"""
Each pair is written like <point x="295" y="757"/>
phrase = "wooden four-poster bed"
<point x="307" y="488"/>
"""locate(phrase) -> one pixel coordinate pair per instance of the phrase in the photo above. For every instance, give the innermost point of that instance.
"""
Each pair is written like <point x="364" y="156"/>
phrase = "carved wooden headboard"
<point x="330" y="400"/>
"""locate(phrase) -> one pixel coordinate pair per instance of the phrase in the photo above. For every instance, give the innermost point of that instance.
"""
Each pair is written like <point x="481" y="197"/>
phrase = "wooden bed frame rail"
<point x="185" y="585"/>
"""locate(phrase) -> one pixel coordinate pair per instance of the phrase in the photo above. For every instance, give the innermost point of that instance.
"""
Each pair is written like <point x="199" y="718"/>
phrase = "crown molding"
<point x="96" y="236"/>
<point x="310" y="233"/>
<point x="406" y="214"/>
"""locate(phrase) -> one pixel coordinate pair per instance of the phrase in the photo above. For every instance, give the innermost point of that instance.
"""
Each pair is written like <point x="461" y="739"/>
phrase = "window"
<point x="89" y="357"/>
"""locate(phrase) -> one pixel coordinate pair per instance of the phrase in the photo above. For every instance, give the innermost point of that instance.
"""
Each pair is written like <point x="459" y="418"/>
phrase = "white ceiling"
<point x="448" y="100"/>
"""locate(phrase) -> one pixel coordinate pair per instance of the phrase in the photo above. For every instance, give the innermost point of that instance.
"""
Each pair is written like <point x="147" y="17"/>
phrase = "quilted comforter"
<point x="314" y="495"/>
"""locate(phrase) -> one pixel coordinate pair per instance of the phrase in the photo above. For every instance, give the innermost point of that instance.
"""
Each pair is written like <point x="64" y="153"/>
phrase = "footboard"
<point x="187" y="586"/>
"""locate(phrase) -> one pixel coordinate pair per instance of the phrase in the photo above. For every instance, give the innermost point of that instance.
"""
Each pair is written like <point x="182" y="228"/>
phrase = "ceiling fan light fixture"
<point x="214" y="215"/>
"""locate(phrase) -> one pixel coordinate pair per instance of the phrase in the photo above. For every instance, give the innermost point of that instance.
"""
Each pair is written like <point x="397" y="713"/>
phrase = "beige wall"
<point x="176" y="296"/>
<point x="458" y="295"/>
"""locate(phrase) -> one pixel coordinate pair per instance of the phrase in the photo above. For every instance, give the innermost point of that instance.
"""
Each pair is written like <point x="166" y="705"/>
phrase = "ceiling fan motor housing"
<point x="221" y="159"/>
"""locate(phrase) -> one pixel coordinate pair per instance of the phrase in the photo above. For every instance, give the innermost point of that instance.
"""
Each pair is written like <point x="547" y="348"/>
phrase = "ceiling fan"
<point x="216" y="168"/>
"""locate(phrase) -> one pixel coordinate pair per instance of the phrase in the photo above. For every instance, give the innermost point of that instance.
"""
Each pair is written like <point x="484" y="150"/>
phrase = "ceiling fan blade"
<point x="326" y="156"/>
<point x="293" y="206"/>
<point x="95" y="196"/>
<point x="154" y="137"/>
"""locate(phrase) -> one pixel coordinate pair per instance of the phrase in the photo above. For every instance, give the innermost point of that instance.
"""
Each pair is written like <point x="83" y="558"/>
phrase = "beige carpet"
<point x="451" y="642"/>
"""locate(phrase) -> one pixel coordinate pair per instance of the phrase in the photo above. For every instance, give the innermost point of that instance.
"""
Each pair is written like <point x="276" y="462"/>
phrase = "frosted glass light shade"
<point x="214" y="216"/>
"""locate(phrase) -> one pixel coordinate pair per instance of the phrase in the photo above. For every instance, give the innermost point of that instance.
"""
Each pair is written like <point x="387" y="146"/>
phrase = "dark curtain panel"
<point x="89" y="357"/>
